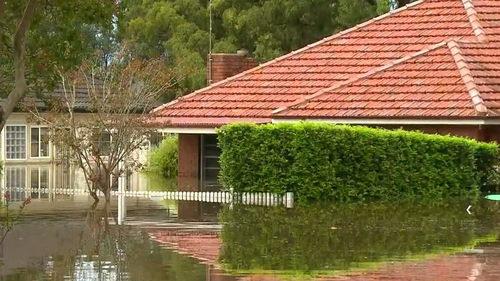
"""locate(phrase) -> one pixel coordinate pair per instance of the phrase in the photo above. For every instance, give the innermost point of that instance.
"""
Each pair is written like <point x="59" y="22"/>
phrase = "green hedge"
<point x="323" y="161"/>
<point x="346" y="237"/>
<point x="162" y="160"/>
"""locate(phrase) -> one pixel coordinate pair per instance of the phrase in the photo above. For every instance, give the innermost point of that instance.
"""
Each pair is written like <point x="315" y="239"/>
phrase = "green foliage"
<point x="162" y="160"/>
<point x="179" y="29"/>
<point x="157" y="182"/>
<point x="58" y="36"/>
<point x="347" y="237"/>
<point x="329" y="162"/>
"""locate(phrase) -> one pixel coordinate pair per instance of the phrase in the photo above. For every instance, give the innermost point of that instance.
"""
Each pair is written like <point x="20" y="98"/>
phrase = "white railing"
<point x="263" y="199"/>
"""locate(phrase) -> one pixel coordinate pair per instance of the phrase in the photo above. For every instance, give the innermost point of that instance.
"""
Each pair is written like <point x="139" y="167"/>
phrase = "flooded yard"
<point x="63" y="237"/>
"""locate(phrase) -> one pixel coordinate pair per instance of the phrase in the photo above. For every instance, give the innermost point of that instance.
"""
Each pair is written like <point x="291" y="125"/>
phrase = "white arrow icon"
<point x="468" y="208"/>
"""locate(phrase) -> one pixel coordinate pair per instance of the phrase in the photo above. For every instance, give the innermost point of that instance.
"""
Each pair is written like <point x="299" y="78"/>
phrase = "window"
<point x="39" y="179"/>
<point x="155" y="139"/>
<point x="210" y="162"/>
<point x="40" y="142"/>
<point x="104" y="143"/>
<point x="15" y="183"/>
<point x="62" y="150"/>
<point x="15" y="142"/>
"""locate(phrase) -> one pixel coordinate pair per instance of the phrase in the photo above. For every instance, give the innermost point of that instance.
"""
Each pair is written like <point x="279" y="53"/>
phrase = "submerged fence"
<point x="263" y="199"/>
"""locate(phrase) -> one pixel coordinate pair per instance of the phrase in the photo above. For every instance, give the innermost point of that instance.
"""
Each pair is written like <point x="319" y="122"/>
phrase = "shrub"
<point x="162" y="160"/>
<point x="339" y="162"/>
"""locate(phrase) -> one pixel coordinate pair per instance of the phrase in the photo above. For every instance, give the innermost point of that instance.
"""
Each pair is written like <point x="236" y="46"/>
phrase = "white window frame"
<point x="39" y="142"/>
<point x="4" y="142"/>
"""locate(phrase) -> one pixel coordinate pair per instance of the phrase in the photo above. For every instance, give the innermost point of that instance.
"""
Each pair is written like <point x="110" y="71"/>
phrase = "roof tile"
<point x="446" y="86"/>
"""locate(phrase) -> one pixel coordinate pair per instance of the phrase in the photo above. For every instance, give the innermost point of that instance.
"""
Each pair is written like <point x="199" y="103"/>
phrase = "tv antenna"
<point x="210" y="43"/>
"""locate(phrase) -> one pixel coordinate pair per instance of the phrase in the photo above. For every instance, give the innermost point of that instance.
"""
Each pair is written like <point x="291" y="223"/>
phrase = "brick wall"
<point x="189" y="162"/>
<point x="472" y="131"/>
<point x="222" y="66"/>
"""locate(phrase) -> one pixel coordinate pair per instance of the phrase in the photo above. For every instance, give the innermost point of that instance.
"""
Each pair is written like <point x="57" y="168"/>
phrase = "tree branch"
<point x="20" y="86"/>
<point x="2" y="18"/>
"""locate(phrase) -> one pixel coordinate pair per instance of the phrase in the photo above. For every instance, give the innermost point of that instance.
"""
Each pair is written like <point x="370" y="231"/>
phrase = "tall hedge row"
<point x="340" y="162"/>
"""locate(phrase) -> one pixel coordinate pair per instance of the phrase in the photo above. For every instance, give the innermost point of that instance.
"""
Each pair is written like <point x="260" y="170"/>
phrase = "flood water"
<point x="64" y="237"/>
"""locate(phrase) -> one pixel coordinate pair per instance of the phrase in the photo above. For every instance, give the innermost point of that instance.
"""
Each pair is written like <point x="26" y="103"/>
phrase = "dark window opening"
<point x="210" y="166"/>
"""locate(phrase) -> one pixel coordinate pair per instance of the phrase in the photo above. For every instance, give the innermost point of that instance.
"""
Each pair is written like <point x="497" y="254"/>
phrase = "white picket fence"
<point x="263" y="199"/>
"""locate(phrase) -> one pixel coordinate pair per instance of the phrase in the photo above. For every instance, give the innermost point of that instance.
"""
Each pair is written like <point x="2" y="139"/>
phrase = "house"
<point x="32" y="160"/>
<point x="432" y="65"/>
<point x="24" y="141"/>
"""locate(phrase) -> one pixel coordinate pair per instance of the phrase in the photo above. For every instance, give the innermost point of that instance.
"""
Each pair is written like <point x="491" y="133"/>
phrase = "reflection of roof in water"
<point x="204" y="246"/>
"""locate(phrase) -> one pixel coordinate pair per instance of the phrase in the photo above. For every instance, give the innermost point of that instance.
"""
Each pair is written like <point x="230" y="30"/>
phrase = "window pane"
<point x="15" y="177"/>
<point x="212" y="151"/>
<point x="44" y="142"/>
<point x="44" y="178"/>
<point x="104" y="144"/>
<point x="211" y="175"/>
<point x="156" y="139"/>
<point x="210" y="140"/>
<point x="35" y="142"/>
<point x="34" y="178"/>
<point x="15" y="142"/>
<point x="212" y="162"/>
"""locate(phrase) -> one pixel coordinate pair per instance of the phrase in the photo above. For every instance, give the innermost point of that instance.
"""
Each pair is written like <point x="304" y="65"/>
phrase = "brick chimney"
<point x="222" y="66"/>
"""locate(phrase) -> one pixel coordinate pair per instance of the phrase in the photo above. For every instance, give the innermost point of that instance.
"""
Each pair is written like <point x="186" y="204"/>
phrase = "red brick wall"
<point x="492" y="133"/>
<point x="223" y="66"/>
<point x="189" y="162"/>
<point x="471" y="131"/>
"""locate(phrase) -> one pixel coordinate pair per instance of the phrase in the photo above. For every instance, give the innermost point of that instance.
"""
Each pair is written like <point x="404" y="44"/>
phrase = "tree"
<point x="36" y="35"/>
<point x="402" y="3"/>
<point x="118" y="99"/>
<point x="179" y="29"/>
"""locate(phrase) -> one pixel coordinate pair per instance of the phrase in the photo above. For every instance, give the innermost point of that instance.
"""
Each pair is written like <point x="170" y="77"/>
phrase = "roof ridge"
<point x="362" y="76"/>
<point x="467" y="77"/>
<point x="474" y="21"/>
<point x="286" y="56"/>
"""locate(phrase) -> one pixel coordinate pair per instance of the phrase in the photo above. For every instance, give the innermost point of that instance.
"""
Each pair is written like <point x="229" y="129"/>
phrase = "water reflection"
<point x="334" y="239"/>
<point x="89" y="247"/>
<point x="41" y="181"/>
<point x="67" y="239"/>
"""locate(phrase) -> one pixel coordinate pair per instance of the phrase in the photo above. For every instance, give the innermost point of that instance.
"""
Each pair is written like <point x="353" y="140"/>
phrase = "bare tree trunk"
<point x="107" y="194"/>
<point x="20" y="86"/>
<point x="94" y="195"/>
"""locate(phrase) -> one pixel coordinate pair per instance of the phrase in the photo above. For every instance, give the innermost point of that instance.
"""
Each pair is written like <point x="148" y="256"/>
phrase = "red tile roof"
<point x="449" y="79"/>
<point x="258" y="92"/>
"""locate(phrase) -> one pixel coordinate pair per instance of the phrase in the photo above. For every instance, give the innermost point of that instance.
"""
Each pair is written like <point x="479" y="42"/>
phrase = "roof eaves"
<point x="345" y="83"/>
<point x="467" y="78"/>
<point x="474" y="21"/>
<point x="286" y="56"/>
